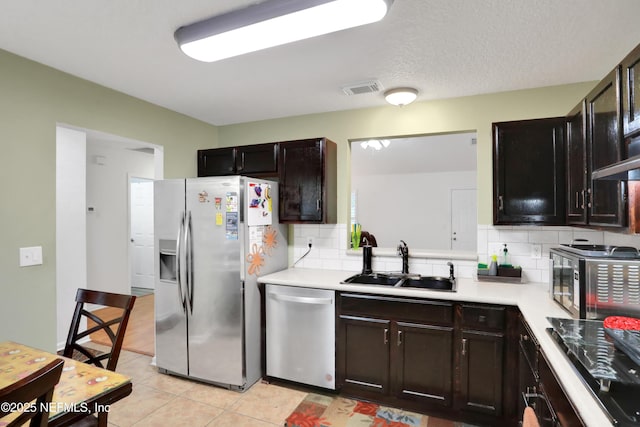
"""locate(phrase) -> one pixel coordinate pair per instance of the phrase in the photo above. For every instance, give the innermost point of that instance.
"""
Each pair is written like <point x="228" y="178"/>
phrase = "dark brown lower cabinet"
<point x="423" y="364"/>
<point x="408" y="360"/>
<point x="481" y="371"/>
<point x="438" y="357"/>
<point x="538" y="386"/>
<point x="365" y="349"/>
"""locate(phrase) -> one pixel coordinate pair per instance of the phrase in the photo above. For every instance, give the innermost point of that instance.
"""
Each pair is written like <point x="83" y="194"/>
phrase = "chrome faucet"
<point x="403" y="251"/>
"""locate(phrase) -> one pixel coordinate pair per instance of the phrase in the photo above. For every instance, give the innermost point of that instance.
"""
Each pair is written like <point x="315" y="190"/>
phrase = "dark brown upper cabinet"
<point x="529" y="172"/>
<point x="577" y="184"/>
<point x="259" y="160"/>
<point x="306" y="171"/>
<point x="216" y="161"/>
<point x="631" y="93"/>
<point x="606" y="201"/>
<point x="308" y="181"/>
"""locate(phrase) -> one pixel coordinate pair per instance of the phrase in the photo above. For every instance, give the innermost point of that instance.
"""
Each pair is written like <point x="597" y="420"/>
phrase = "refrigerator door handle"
<point x="188" y="239"/>
<point x="178" y="262"/>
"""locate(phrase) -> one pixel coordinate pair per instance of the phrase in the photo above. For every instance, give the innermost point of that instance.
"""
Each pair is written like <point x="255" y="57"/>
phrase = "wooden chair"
<point x="37" y="387"/>
<point x="85" y="296"/>
<point x="107" y="299"/>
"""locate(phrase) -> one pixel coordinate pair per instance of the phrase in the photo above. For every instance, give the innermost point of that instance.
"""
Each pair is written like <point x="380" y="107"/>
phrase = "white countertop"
<point x="532" y="299"/>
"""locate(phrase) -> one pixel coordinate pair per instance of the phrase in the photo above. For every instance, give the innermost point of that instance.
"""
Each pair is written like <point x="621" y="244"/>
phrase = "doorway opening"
<point x="141" y="235"/>
<point x="93" y="230"/>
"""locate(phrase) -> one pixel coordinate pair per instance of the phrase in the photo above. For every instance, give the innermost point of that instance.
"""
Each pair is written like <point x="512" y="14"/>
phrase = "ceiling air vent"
<point x="369" y="86"/>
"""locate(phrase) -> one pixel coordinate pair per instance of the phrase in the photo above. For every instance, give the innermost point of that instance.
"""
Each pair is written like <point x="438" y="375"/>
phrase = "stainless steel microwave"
<point x="566" y="271"/>
<point x="596" y="281"/>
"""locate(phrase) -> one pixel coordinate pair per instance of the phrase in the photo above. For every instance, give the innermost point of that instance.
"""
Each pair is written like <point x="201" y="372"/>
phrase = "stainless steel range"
<point x="596" y="281"/>
<point x="609" y="373"/>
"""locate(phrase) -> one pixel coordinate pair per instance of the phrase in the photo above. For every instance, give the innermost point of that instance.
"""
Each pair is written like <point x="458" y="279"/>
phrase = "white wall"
<point x="414" y="207"/>
<point x="107" y="226"/>
<point x="71" y="241"/>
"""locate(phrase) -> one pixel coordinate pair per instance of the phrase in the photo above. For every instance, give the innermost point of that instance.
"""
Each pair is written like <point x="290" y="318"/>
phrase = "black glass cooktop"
<point x="611" y="375"/>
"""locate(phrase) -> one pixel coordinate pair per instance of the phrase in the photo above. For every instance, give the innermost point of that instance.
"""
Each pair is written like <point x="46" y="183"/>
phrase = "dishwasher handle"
<point x="302" y="300"/>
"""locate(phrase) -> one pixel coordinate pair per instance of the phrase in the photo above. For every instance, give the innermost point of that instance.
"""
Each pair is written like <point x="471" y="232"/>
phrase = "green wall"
<point x="448" y="115"/>
<point x="33" y="99"/>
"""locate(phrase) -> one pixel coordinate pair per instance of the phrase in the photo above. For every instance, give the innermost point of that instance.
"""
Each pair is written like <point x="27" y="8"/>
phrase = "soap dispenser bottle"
<point x="505" y="256"/>
<point x="493" y="267"/>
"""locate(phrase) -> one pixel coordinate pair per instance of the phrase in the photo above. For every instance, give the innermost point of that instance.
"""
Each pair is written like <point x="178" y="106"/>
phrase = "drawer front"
<point x="528" y="347"/>
<point x="483" y="317"/>
<point x="417" y="310"/>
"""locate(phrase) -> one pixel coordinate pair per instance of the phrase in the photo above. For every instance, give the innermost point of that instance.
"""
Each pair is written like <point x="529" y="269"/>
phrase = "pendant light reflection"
<point x="376" y="144"/>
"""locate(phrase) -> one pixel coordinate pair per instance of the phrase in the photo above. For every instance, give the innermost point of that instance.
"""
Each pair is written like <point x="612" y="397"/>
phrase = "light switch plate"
<point x="30" y="256"/>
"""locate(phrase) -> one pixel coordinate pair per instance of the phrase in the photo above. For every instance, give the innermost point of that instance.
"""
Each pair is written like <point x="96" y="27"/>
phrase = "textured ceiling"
<point x="444" y="48"/>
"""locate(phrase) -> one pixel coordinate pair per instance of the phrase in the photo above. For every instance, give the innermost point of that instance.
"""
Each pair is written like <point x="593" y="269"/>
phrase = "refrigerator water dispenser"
<point x="168" y="260"/>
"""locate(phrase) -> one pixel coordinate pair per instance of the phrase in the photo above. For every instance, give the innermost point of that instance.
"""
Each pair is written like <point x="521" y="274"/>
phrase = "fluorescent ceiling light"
<point x="401" y="96"/>
<point x="272" y="23"/>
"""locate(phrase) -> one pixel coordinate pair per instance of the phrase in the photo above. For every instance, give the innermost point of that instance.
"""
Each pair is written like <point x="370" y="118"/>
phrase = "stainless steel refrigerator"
<point x="213" y="238"/>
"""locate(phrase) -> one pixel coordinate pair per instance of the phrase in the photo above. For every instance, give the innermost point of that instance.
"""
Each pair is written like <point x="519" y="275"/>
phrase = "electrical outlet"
<point x="309" y="241"/>
<point x="536" y="251"/>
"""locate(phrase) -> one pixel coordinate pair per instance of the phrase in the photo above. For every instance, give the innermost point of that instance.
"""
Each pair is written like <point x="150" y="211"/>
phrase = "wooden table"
<point x="83" y="389"/>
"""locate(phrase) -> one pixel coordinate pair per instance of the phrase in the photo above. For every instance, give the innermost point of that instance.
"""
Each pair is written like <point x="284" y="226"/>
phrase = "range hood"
<point x="624" y="170"/>
<point x="627" y="169"/>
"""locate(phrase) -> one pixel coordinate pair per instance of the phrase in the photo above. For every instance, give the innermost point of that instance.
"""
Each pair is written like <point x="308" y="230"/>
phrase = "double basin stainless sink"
<point x="399" y="280"/>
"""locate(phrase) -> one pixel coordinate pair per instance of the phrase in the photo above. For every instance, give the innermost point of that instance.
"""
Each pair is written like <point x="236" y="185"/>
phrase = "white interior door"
<point x="464" y="233"/>
<point x="141" y="244"/>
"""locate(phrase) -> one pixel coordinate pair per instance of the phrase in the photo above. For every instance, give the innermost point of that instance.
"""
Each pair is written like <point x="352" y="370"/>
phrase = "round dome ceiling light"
<point x="401" y="96"/>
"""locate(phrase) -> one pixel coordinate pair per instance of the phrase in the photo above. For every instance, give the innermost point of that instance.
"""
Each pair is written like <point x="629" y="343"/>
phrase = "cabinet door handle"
<point x="317" y="204"/>
<point x="587" y="198"/>
<point x="464" y="346"/>
<point x="583" y="200"/>
<point x="399" y="338"/>
<point x="500" y="203"/>
<point x="577" y="199"/>
<point x="386" y="336"/>
<point x="241" y="165"/>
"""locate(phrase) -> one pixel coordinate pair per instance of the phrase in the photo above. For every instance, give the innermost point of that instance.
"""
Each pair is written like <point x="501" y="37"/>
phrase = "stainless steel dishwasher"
<point x="301" y="335"/>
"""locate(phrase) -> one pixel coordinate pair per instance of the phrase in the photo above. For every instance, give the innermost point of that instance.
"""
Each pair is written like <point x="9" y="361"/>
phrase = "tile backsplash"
<point x="528" y="247"/>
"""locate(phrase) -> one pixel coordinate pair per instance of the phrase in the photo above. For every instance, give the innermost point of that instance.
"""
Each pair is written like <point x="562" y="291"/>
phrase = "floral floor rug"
<point x="317" y="410"/>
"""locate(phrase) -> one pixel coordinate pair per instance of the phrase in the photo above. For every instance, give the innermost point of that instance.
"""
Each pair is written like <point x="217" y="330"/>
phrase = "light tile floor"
<point x="159" y="399"/>
<point x="162" y="400"/>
